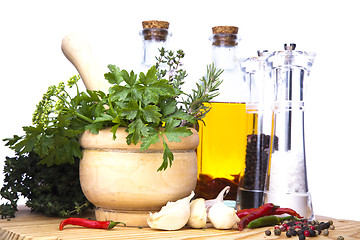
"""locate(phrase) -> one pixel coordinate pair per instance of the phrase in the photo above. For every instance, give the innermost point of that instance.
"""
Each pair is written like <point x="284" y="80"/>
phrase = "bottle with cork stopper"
<point x="221" y="151"/>
<point x="155" y="35"/>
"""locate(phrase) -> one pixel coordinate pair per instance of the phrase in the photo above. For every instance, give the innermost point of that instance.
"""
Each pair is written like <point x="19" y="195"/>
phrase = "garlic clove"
<point x="198" y="214"/>
<point x="219" y="198"/>
<point x="222" y="216"/>
<point x="172" y="216"/>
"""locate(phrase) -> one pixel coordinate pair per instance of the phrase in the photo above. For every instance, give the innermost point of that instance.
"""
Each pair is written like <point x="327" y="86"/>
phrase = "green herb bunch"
<point x="151" y="106"/>
<point x="54" y="191"/>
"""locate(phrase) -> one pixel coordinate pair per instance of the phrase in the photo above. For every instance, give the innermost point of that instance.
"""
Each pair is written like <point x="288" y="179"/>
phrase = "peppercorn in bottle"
<point x="252" y="180"/>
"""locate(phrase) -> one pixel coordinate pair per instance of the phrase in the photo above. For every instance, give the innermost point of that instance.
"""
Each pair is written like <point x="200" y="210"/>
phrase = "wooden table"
<point x="28" y="226"/>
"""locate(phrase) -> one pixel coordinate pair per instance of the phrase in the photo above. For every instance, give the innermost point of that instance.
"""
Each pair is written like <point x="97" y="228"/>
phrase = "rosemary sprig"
<point x="205" y="91"/>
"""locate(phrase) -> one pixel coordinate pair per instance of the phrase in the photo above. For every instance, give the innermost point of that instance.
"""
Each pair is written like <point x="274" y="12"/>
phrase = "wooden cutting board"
<point x="33" y="226"/>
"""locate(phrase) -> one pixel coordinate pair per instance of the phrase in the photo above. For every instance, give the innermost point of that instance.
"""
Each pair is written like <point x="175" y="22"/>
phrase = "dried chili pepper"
<point x="89" y="223"/>
<point x="280" y="211"/>
<point x="261" y="211"/>
<point x="243" y="212"/>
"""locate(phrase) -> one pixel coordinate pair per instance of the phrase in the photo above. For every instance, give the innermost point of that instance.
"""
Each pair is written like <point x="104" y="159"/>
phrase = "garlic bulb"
<point x="198" y="214"/>
<point x="172" y="216"/>
<point x="222" y="216"/>
<point x="219" y="198"/>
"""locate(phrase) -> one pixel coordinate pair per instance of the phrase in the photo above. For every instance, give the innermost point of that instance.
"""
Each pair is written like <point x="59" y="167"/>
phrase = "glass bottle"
<point x="287" y="184"/>
<point x="252" y="180"/>
<point x="155" y="34"/>
<point x="223" y="137"/>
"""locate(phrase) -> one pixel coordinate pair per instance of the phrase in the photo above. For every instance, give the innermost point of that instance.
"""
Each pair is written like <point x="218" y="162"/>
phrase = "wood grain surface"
<point x="28" y="226"/>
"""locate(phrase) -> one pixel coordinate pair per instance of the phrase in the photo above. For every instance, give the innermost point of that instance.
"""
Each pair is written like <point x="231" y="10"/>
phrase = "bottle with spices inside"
<point x="221" y="151"/>
<point x="155" y="34"/>
<point x="287" y="183"/>
<point x="262" y="90"/>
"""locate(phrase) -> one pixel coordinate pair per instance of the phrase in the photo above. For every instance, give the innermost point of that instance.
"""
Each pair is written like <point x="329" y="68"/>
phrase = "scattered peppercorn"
<point x="340" y="238"/>
<point x="267" y="232"/>
<point x="312" y="233"/>
<point x="302" y="237"/>
<point x="292" y="232"/>
<point x="304" y="228"/>
<point x="277" y="231"/>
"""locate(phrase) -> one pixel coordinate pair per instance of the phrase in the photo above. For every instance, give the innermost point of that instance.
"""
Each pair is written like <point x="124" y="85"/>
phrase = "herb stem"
<point x="89" y="120"/>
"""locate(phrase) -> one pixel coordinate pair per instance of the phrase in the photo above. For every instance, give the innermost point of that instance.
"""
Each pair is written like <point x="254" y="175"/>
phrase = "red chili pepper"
<point x="280" y="211"/>
<point x="243" y="212"/>
<point x="89" y="223"/>
<point x="256" y="213"/>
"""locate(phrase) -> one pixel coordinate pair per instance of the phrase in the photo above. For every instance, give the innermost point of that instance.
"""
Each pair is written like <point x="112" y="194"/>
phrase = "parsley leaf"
<point x="147" y="105"/>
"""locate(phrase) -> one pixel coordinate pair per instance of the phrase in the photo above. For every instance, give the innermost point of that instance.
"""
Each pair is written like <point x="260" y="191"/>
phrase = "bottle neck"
<point x="151" y="51"/>
<point x="224" y="57"/>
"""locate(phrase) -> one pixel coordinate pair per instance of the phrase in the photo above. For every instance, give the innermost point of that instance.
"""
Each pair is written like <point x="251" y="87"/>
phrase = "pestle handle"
<point x="77" y="50"/>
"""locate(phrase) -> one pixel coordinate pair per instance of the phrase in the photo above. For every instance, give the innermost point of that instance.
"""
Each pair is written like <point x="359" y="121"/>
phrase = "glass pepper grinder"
<point x="252" y="179"/>
<point x="287" y="184"/>
<point x="155" y="35"/>
<point x="223" y="137"/>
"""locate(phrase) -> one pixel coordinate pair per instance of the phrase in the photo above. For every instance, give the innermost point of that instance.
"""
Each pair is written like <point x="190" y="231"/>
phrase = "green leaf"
<point x="94" y="128"/>
<point x="180" y="115"/>
<point x="168" y="157"/>
<point x="149" y="78"/>
<point x="137" y="130"/>
<point x="129" y="78"/>
<point x="174" y="134"/>
<point x="114" y="129"/>
<point x="152" y="138"/>
<point x="168" y="106"/>
<point x="104" y="118"/>
<point x="115" y="75"/>
<point x="131" y="110"/>
<point x="119" y="93"/>
<point x="151" y="114"/>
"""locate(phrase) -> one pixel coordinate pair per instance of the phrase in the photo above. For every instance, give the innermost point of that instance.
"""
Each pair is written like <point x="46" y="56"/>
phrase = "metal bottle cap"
<point x="289" y="46"/>
<point x="261" y="52"/>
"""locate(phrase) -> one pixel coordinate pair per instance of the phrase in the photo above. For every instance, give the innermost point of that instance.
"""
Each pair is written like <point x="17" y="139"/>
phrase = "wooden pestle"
<point x="77" y="50"/>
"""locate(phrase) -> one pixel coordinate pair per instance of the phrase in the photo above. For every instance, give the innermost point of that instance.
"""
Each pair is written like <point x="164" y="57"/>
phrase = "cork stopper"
<point x="225" y="35"/>
<point x="155" y="30"/>
<point x="155" y="24"/>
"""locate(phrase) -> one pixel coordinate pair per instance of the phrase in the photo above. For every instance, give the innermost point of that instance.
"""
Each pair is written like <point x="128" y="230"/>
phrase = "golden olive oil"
<point x="222" y="147"/>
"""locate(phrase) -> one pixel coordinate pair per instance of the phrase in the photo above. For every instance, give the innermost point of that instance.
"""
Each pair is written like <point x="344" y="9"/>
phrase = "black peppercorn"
<point x="302" y="237"/>
<point x="277" y="231"/>
<point x="340" y="238"/>
<point x="293" y="232"/>
<point x="322" y="226"/>
<point x="312" y="233"/>
<point x="327" y="225"/>
<point x="267" y="232"/>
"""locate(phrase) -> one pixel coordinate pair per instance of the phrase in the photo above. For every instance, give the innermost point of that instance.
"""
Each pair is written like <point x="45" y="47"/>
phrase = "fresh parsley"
<point x="151" y="106"/>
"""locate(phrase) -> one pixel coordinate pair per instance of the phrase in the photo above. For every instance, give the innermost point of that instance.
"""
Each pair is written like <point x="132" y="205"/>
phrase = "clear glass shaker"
<point x="262" y="90"/>
<point x="287" y="184"/>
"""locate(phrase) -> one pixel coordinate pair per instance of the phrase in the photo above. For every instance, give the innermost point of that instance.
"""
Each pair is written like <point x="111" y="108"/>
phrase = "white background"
<point x="31" y="60"/>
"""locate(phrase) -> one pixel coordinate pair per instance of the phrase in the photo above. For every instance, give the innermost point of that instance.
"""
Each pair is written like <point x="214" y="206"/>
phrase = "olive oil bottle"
<point x="221" y="151"/>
